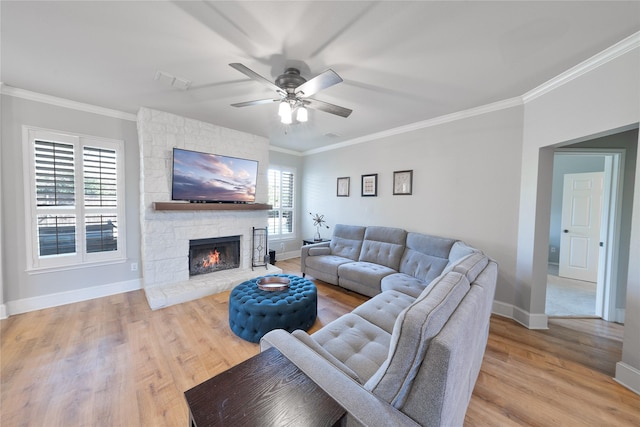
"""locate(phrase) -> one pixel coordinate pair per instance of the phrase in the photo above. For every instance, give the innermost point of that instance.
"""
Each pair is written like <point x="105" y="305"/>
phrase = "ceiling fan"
<point x="294" y="93"/>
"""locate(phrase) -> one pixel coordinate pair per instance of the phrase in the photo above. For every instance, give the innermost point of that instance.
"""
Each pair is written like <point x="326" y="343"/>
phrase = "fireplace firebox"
<point x="214" y="254"/>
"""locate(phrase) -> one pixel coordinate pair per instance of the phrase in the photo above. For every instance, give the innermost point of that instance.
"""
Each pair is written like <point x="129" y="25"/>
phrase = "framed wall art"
<point x="402" y="183"/>
<point x="343" y="186"/>
<point x="370" y="185"/>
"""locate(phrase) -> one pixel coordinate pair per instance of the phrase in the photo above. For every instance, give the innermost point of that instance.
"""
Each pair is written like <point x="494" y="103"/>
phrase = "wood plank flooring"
<point x="114" y="362"/>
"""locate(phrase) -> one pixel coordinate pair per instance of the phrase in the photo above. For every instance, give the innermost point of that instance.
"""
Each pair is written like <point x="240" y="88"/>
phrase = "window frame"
<point x="293" y="234"/>
<point x="81" y="257"/>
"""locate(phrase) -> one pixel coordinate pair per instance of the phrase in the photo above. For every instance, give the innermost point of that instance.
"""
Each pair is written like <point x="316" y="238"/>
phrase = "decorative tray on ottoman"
<point x="273" y="283"/>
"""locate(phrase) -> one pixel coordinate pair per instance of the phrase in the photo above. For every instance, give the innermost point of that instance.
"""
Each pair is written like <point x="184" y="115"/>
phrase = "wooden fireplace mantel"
<point x="185" y="206"/>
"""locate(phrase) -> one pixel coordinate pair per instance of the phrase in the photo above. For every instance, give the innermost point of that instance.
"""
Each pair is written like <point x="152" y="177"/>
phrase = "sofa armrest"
<point x="304" y="252"/>
<point x="362" y="405"/>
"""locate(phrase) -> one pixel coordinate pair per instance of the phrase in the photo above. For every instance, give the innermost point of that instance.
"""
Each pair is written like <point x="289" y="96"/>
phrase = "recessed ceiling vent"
<point x="332" y="135"/>
<point x="171" y="80"/>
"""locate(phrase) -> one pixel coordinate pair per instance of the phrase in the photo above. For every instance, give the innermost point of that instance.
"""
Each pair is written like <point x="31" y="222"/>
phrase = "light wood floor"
<point x="114" y="362"/>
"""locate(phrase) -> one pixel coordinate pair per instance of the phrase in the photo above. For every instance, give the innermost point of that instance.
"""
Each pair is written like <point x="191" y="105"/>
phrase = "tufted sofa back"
<point x="425" y="256"/>
<point x="383" y="245"/>
<point x="347" y="241"/>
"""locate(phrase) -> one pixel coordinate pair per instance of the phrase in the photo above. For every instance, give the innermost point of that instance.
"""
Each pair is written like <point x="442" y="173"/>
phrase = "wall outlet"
<point x="134" y="266"/>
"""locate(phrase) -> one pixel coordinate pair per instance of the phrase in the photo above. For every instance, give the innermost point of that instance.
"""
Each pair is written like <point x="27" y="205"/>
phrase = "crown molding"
<point x="599" y="59"/>
<point x="286" y="151"/>
<point x="448" y="118"/>
<point x="624" y="46"/>
<point x="67" y="103"/>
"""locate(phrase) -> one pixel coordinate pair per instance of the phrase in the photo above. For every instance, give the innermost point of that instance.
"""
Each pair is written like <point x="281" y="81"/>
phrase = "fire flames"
<point x="212" y="259"/>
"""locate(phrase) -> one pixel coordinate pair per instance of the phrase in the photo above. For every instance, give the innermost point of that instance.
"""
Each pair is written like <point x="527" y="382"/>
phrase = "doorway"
<point x="583" y="233"/>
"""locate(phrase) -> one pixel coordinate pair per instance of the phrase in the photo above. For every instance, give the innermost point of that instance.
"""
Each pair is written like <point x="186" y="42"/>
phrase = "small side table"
<point x="311" y="241"/>
<point x="265" y="390"/>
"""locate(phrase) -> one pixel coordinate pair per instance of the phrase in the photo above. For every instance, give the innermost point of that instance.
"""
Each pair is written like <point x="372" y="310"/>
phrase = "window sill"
<point x="282" y="239"/>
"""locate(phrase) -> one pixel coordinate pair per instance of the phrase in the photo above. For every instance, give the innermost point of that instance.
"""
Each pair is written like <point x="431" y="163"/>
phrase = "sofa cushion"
<point x="359" y="344"/>
<point x="383" y="309"/>
<point x="313" y="345"/>
<point x="362" y="277"/>
<point x="326" y="263"/>
<point x="425" y="256"/>
<point x="322" y="250"/>
<point x="384" y="246"/>
<point x="404" y="283"/>
<point x="347" y="241"/>
<point x="412" y="333"/>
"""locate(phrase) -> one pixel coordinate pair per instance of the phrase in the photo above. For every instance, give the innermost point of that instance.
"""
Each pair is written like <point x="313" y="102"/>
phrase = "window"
<point x="75" y="199"/>
<point x="281" y="197"/>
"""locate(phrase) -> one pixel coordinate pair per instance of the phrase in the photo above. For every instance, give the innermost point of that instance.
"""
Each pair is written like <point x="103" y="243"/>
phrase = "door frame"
<point x="607" y="283"/>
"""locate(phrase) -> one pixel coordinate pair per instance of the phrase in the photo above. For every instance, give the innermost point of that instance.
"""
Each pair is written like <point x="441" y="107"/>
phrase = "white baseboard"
<point x="287" y="255"/>
<point x="628" y="376"/>
<point x="526" y="319"/>
<point x="3" y="311"/>
<point x="54" y="300"/>
<point x="502" y="309"/>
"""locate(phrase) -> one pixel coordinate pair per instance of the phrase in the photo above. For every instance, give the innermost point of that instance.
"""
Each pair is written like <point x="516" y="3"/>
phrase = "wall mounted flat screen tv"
<point x="212" y="178"/>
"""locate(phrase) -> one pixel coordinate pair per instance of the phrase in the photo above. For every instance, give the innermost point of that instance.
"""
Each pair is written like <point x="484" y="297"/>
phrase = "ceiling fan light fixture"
<point x="302" y="114"/>
<point x="294" y="92"/>
<point x="284" y="109"/>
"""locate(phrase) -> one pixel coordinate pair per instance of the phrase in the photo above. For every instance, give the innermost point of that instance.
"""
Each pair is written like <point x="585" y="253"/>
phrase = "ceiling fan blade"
<point x="327" y="108"/>
<point x="257" y="102"/>
<point x="257" y="77"/>
<point x="321" y="81"/>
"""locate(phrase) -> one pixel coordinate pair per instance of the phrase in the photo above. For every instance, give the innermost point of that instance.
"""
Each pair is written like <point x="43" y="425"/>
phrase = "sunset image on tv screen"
<point x="213" y="178"/>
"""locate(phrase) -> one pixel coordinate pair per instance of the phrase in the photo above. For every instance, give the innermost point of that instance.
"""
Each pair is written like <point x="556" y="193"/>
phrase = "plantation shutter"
<point x="100" y="199"/>
<point x="287" y="202"/>
<point x="281" y="197"/>
<point x="100" y="183"/>
<point x="55" y="188"/>
<point x="55" y="174"/>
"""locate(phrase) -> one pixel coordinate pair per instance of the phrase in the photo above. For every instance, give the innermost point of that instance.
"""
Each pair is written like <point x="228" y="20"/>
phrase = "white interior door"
<point x="581" y="217"/>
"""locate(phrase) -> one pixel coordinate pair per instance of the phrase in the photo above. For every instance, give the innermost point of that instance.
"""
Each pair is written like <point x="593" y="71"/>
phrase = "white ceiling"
<point x="402" y="62"/>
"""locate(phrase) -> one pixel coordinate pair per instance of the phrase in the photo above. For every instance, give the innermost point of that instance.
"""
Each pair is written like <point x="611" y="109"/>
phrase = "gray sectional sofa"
<point x="412" y="353"/>
<point x="369" y="260"/>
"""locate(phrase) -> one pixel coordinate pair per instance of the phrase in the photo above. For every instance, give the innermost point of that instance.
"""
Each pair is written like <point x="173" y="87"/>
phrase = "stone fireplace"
<point x="215" y="254"/>
<point x="166" y="233"/>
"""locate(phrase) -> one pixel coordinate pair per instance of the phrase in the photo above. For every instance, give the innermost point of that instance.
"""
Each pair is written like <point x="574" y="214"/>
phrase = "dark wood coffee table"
<point x="266" y="390"/>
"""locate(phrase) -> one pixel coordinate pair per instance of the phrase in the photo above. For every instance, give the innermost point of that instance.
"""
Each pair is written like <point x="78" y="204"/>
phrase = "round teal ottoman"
<point x="254" y="312"/>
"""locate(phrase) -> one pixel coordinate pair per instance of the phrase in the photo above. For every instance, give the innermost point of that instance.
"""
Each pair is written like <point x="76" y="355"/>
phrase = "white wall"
<point x="465" y="185"/>
<point x="24" y="291"/>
